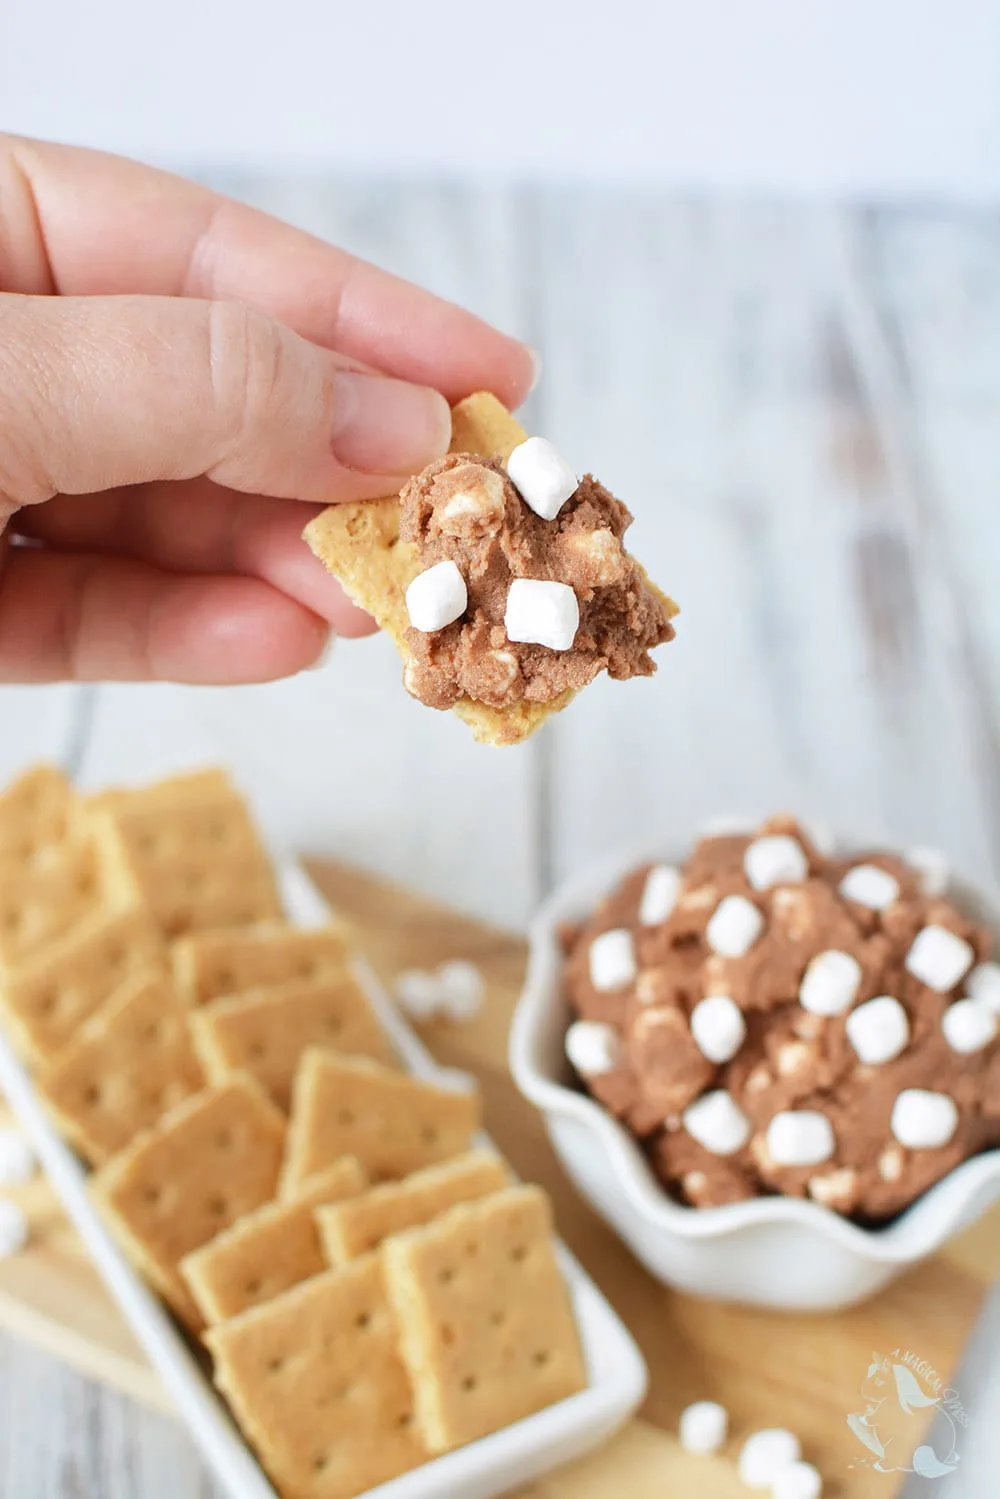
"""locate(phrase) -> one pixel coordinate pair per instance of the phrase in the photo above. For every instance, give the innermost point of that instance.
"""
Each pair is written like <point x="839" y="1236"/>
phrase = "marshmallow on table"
<point x="775" y="860"/>
<point x="830" y="983"/>
<point x="462" y="989"/>
<point x="983" y="984"/>
<point x="17" y="1159"/>
<point x="932" y="867"/>
<point x="436" y="597"/>
<point x="766" y="1454"/>
<point x="939" y="958"/>
<point x="878" y="1030"/>
<point x="869" y="886"/>
<point x="800" y="1137"/>
<point x="797" y="1481"/>
<point x="718" y="1027"/>
<point x="592" y="1048"/>
<point x="612" y="960"/>
<point x="659" y="894"/>
<point x="703" y="1427"/>
<point x="717" y="1122"/>
<point x="922" y="1120"/>
<point x="13" y="1228"/>
<point x="968" y="1025"/>
<point x="541" y="476"/>
<point x="734" y="926"/>
<point x="541" y="613"/>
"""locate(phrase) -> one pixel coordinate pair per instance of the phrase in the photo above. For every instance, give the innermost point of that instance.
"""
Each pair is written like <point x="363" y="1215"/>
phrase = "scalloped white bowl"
<point x="780" y="1252"/>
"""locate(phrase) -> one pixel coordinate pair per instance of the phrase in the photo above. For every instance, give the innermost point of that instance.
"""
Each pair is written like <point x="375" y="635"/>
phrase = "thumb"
<point x="97" y="392"/>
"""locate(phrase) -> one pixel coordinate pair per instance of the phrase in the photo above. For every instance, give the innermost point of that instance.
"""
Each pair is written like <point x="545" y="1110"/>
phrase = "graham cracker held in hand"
<point x="208" y="965"/>
<point x="486" y="1324"/>
<point x="316" y="1382"/>
<point x="47" y="998"/>
<point x="391" y="1122"/>
<point x="209" y="1161"/>
<point x="269" y="1250"/>
<point x="265" y="1031"/>
<point x="129" y="1064"/>
<point x="352" y="1228"/>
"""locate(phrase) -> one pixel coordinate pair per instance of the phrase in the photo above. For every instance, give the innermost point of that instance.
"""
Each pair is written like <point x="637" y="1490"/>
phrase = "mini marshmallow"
<point x="612" y="960"/>
<point x="541" y="476"/>
<point x="968" y="1025"/>
<point x="830" y="983"/>
<point x="800" y="1137"/>
<point x="938" y="958"/>
<point x="983" y="984"/>
<point x="922" y="1120"/>
<point x="540" y="613"/>
<point x="775" y="860"/>
<point x="933" y="869"/>
<point x="766" y="1454"/>
<point x="878" y="1030"/>
<point x="17" y="1159"/>
<point x="419" y="993"/>
<point x="592" y="1048"/>
<point x="718" y="1027"/>
<point x="869" y="886"/>
<point x="734" y="926"/>
<point x="717" y="1122"/>
<point x="436" y="597"/>
<point x="13" y="1228"/>
<point x="659" y="894"/>
<point x="462" y="989"/>
<point x="797" y="1481"/>
<point x="703" y="1427"/>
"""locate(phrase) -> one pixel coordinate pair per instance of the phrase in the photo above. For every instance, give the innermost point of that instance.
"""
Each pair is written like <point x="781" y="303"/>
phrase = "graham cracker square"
<point x="265" y="1031"/>
<point x="206" y="784"/>
<point x="129" y="1064"/>
<point x="208" y="965"/>
<point x="391" y="1122"/>
<point x="486" y="1323"/>
<point x="352" y="1228"/>
<point x="34" y="813"/>
<point x="212" y="1159"/>
<point x="316" y="1381"/>
<point x="269" y="1250"/>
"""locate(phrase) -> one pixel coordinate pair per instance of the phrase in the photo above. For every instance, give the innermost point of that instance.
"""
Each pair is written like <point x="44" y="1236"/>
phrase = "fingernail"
<point x="536" y="367"/>
<point x="386" y="426"/>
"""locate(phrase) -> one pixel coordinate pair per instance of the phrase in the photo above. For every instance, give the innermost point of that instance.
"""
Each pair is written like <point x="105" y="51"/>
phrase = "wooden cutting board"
<point x="805" y="1372"/>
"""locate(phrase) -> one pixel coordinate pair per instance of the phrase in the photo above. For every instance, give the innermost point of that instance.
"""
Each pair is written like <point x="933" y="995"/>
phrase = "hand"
<point x="184" y="382"/>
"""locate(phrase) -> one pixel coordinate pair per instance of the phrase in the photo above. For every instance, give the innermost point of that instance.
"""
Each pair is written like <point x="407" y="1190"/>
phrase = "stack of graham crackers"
<point x="373" y="1289"/>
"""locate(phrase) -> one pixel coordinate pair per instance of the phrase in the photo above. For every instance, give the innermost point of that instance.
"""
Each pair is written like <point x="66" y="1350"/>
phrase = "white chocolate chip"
<point x="479" y="508"/>
<point x="436" y="597"/>
<point x="932" y="868"/>
<point x="659" y="894"/>
<point x="878" y="1030"/>
<point x="775" y="860"/>
<point x="540" y="613"/>
<point x="601" y="553"/>
<point x="541" y="476"/>
<point x="717" y="1122"/>
<point x="718" y="1027"/>
<point x="922" y="1120"/>
<point x="938" y="958"/>
<point x="983" y="984"/>
<point x="17" y="1159"/>
<point x="463" y="989"/>
<point x="800" y="1137"/>
<point x="792" y="1057"/>
<point x="870" y="886"/>
<point x="592" y="1048"/>
<point x="419" y="993"/>
<point x="765" y="1454"/>
<point x="703" y="1427"/>
<point x="13" y="1228"/>
<point x="890" y="1163"/>
<point x="968" y="1025"/>
<point x="834" y="1189"/>
<point x="734" y="926"/>
<point x="797" y="1481"/>
<point x="612" y="960"/>
<point x="830" y="983"/>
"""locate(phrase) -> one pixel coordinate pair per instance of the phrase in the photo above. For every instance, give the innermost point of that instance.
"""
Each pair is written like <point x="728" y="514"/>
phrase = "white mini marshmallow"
<point x="17" y="1159"/>
<point x="540" y="613"/>
<point x="717" y="1122"/>
<point x="932" y="867"/>
<point x="830" y="983"/>
<point x="878" y="1030"/>
<point x="938" y="958"/>
<point x="718" y="1027"/>
<point x="436" y="597"/>
<point x="419" y="993"/>
<point x="765" y="1454"/>
<point x="592" y="1048"/>
<point x="703" y="1427"/>
<point x="800" y="1137"/>
<point x="463" y="989"/>
<point x="612" y="960"/>
<point x="922" y="1120"/>
<point x="870" y="886"/>
<point x="983" y="984"/>
<point x="13" y="1228"/>
<point x="968" y="1025"/>
<point x="734" y="926"/>
<point x="541" y="476"/>
<point x="797" y="1481"/>
<point x="775" y="860"/>
<point x="659" y="894"/>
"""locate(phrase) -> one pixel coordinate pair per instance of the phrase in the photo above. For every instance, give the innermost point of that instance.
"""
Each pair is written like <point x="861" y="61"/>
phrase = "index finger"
<point x="82" y="222"/>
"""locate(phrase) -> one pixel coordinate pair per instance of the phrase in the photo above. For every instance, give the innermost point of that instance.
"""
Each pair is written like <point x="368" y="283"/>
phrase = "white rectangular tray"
<point x="617" y="1373"/>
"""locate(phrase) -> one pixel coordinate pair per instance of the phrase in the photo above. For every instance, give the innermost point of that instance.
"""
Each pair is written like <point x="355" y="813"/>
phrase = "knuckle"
<point x="27" y="359"/>
<point x="245" y="353"/>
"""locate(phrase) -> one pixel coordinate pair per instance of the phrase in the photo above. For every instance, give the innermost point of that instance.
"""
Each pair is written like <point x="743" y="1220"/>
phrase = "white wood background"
<point x="802" y="407"/>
